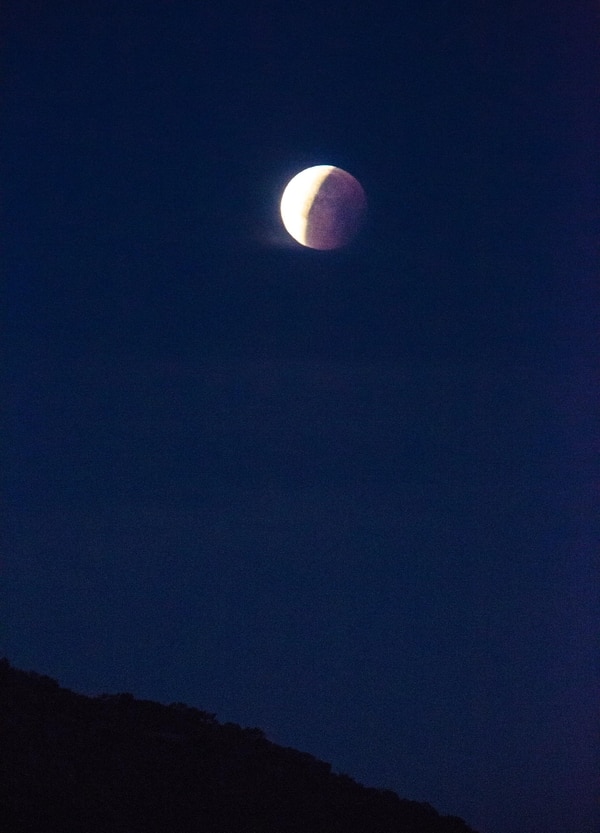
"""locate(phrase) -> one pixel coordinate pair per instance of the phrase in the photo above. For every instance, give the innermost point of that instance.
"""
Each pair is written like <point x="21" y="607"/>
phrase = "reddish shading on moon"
<point x="323" y="207"/>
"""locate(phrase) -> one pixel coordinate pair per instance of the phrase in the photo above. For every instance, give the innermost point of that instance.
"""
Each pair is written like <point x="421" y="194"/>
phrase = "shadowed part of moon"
<point x="336" y="212"/>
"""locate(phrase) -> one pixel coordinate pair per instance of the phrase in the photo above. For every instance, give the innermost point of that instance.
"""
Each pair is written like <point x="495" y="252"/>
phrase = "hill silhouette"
<point x="115" y="764"/>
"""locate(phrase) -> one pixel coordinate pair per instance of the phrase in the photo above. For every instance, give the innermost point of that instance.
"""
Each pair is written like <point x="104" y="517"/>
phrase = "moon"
<point x="322" y="207"/>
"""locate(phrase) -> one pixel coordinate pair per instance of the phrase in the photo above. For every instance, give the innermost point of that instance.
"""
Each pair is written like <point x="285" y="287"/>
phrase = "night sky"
<point x="348" y="497"/>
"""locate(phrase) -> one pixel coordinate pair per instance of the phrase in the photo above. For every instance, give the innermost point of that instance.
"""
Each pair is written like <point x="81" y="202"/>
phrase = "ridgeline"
<point x="115" y="764"/>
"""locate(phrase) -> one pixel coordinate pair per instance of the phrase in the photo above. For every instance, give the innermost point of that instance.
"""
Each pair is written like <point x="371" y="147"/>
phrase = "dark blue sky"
<point x="349" y="497"/>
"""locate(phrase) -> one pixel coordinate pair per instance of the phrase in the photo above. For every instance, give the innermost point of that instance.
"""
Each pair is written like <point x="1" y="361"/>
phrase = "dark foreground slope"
<point x="114" y="764"/>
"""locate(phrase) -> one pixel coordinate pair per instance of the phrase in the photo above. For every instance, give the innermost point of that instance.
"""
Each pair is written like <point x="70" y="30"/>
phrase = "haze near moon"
<point x="322" y="207"/>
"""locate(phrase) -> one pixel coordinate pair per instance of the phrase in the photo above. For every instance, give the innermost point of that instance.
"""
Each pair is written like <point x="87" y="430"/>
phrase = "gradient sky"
<point x="349" y="497"/>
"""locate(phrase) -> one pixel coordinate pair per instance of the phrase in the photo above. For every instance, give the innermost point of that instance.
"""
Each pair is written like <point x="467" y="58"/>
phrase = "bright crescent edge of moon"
<point x="298" y="198"/>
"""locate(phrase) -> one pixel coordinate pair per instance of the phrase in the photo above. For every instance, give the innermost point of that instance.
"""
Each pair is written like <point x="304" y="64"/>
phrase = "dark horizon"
<point x="113" y="761"/>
